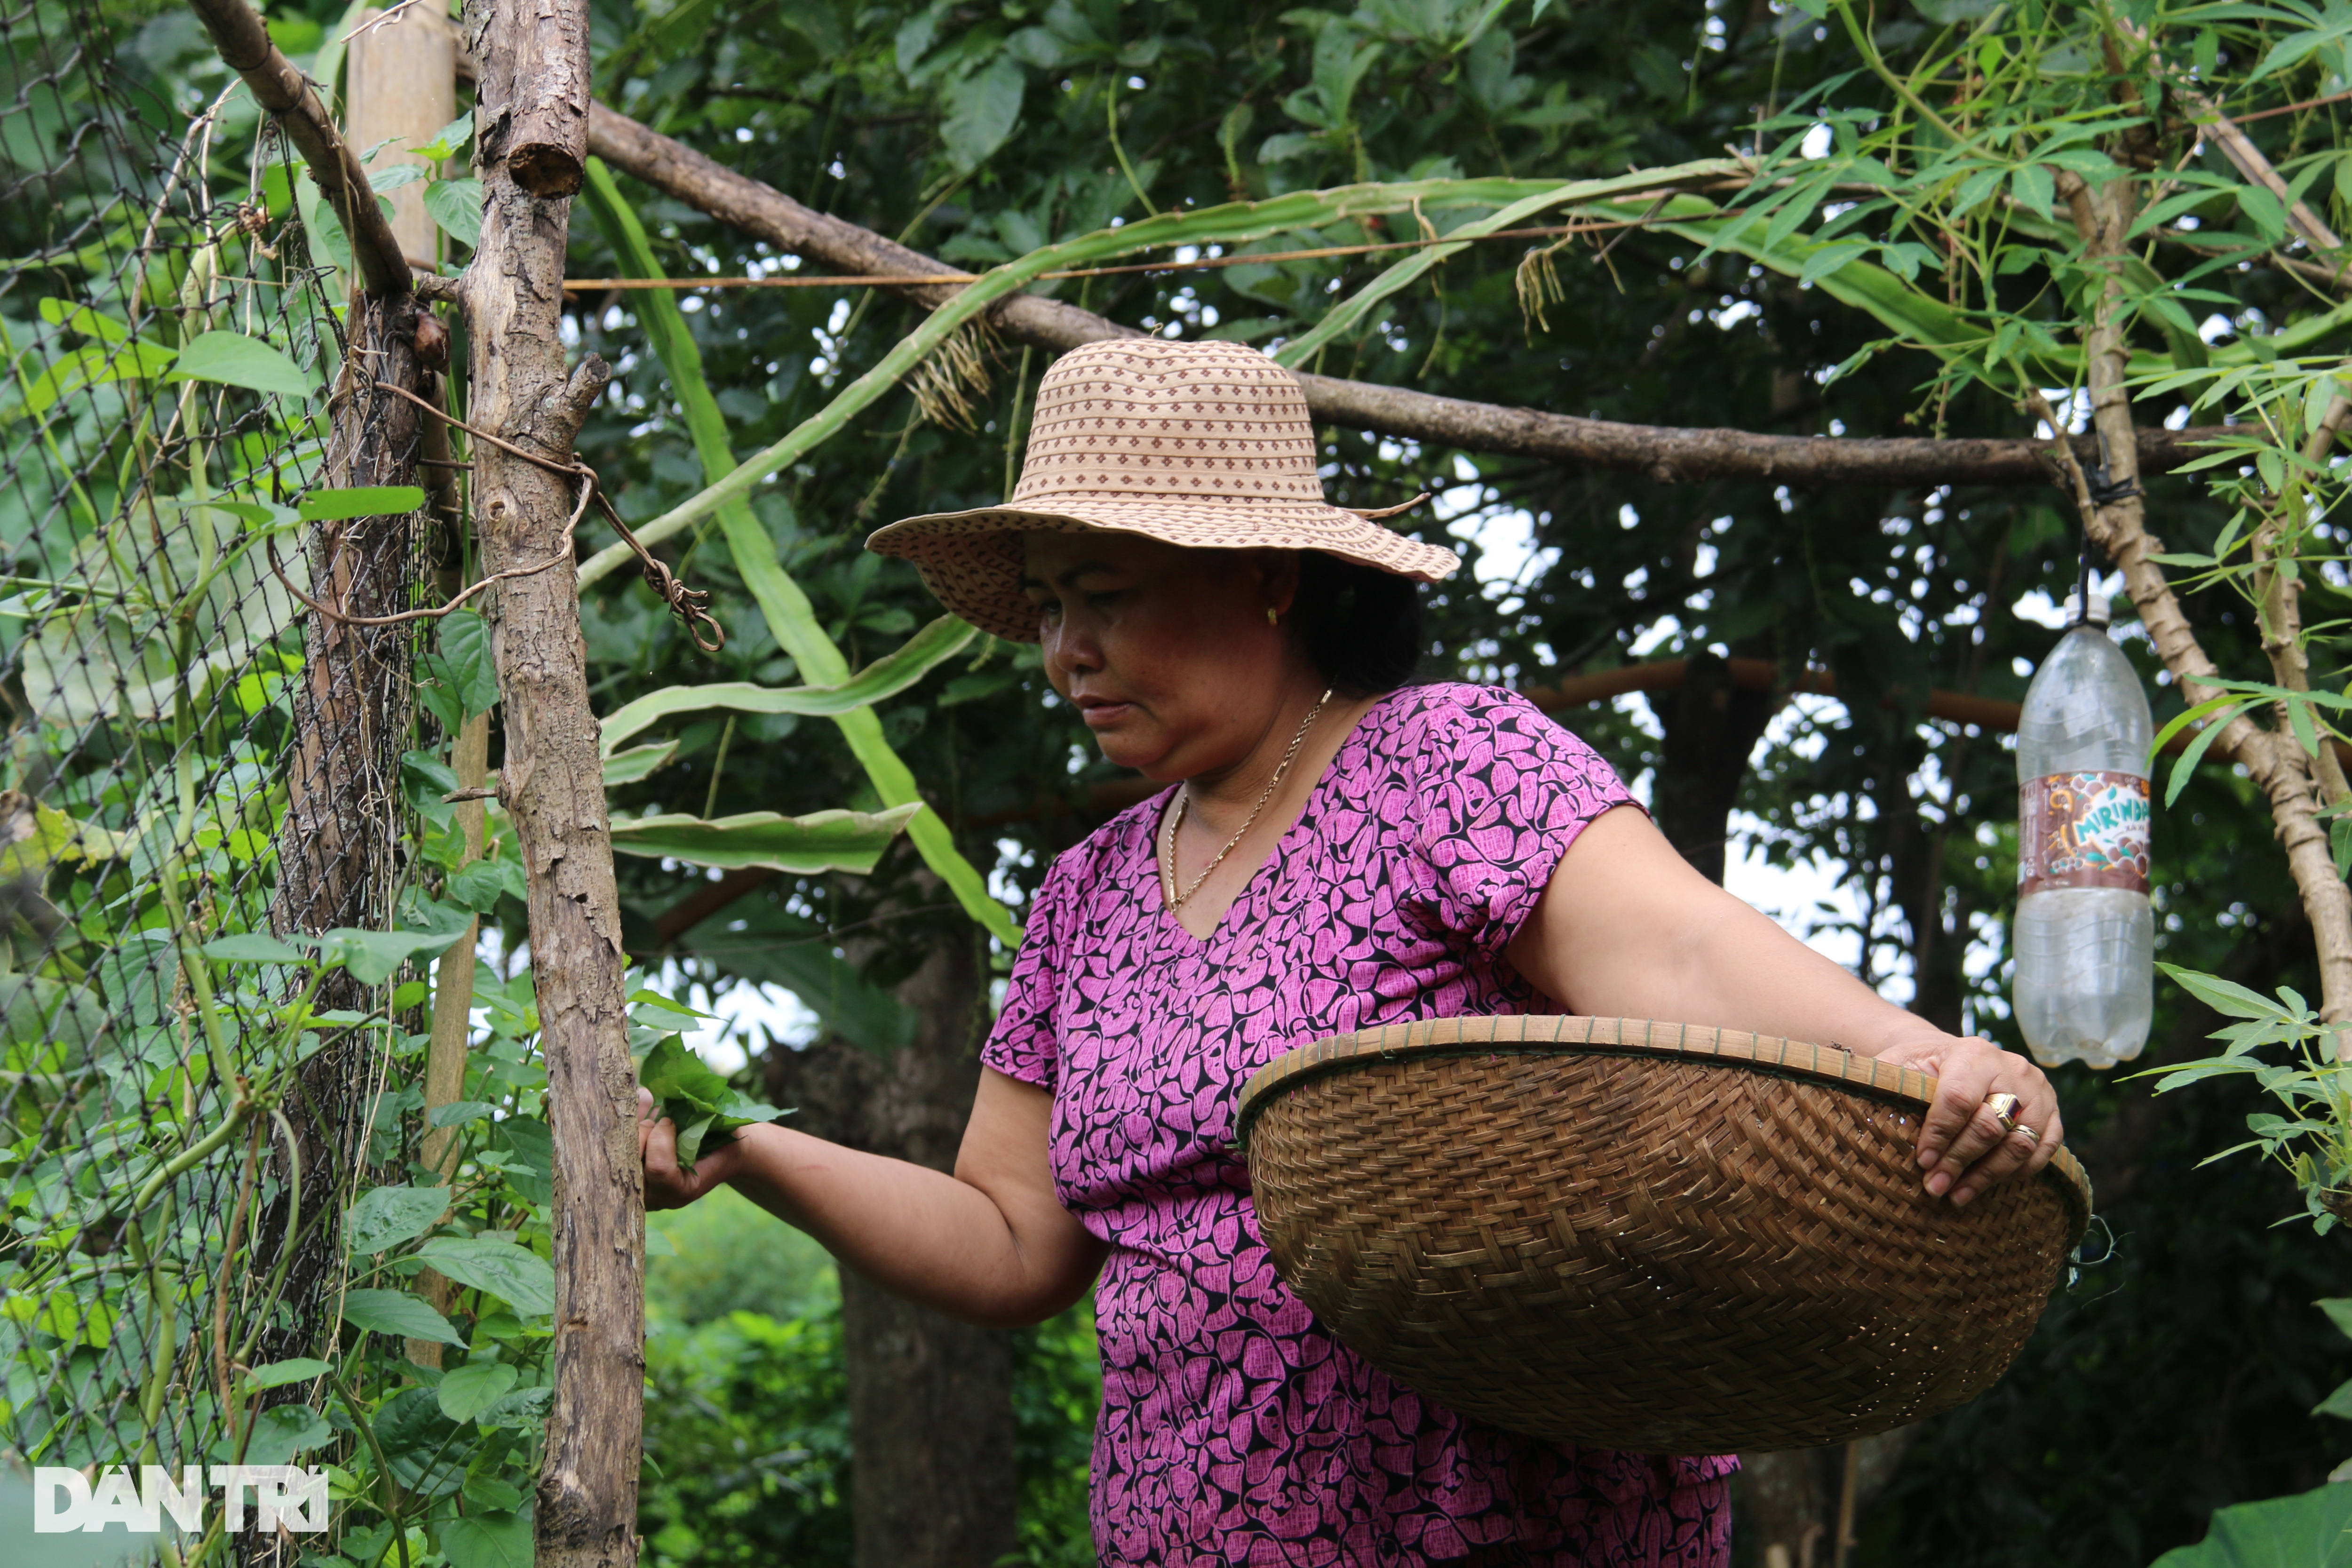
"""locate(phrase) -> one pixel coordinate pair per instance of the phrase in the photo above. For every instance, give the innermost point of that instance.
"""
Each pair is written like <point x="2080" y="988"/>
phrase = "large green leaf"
<point x="786" y="609"/>
<point x="385" y="1216"/>
<point x="421" y="1445"/>
<point x="234" y="359"/>
<point x="282" y="1431"/>
<point x="475" y="1387"/>
<point x="883" y="678"/>
<point x="800" y="846"/>
<point x="94" y="366"/>
<point x="515" y="1275"/>
<point x="492" y="1540"/>
<point x="637" y="762"/>
<point x="2311" y="1530"/>
<point x="397" y="1312"/>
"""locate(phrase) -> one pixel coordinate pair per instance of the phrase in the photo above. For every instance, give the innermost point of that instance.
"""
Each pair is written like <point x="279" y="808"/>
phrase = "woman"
<point x="1340" y="851"/>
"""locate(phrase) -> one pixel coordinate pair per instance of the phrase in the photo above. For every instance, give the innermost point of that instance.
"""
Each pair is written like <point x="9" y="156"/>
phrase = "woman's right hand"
<point x="666" y="1186"/>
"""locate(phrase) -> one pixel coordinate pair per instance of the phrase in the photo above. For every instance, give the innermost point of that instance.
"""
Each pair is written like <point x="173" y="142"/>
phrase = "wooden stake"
<point x="530" y="58"/>
<point x="401" y="80"/>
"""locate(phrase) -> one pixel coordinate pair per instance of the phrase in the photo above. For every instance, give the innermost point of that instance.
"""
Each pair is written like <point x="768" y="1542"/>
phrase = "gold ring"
<point x="2030" y="1135"/>
<point x="2004" y="1111"/>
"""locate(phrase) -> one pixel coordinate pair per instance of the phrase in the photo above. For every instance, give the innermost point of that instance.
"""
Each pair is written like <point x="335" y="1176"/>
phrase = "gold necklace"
<point x="1184" y="798"/>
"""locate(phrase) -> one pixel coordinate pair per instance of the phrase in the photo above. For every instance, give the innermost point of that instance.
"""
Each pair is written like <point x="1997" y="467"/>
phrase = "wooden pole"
<point x="401" y="84"/>
<point x="531" y="60"/>
<point x="242" y="41"/>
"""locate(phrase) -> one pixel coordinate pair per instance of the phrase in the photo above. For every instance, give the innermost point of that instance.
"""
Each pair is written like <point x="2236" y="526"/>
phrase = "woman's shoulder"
<point x="1448" y="713"/>
<point x="1441" y="735"/>
<point x="1107" y="850"/>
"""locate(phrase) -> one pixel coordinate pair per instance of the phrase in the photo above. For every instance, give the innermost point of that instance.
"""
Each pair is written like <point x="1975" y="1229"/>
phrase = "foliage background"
<point x="2176" y="1377"/>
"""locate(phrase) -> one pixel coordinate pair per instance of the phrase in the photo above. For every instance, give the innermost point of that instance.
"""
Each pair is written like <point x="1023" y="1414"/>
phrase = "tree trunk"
<point x="930" y="1399"/>
<point x="1712" y="725"/>
<point x="336" y="849"/>
<point x="552" y="784"/>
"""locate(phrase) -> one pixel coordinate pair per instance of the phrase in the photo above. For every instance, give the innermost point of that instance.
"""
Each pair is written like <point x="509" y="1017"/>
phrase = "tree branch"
<point x="2277" y="763"/>
<point x="243" y="42"/>
<point x="1663" y="453"/>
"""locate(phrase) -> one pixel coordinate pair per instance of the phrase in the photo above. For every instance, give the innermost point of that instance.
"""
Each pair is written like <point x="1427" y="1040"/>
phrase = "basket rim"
<point x="1572" y="1035"/>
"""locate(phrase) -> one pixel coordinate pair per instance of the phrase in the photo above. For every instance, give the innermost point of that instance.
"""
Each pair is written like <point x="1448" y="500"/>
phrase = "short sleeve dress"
<point x="1234" y="1430"/>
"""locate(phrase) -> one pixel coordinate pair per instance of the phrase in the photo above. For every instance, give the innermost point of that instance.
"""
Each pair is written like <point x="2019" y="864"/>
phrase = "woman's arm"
<point x="991" y="1243"/>
<point x="1627" y="929"/>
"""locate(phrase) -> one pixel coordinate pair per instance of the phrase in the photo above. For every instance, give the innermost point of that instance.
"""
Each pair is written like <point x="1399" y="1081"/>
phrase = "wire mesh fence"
<point x="200" y="778"/>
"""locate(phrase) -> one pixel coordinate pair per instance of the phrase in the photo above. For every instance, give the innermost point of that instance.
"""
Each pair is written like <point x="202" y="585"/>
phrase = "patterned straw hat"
<point x="1205" y="445"/>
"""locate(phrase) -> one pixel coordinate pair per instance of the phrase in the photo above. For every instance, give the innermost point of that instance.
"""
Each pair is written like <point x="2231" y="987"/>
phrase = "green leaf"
<point x="523" y="1407"/>
<point x="82" y="319"/>
<point x="2034" y="187"/>
<point x="372" y="957"/>
<point x="2193" y="754"/>
<point x="95" y="366"/>
<point x="800" y="846"/>
<point x="398" y="1313"/>
<point x="459" y="1112"/>
<point x="1349" y="313"/>
<point x="688" y="1092"/>
<point x="783" y="604"/>
<point x="487" y="1540"/>
<point x="234" y="359"/>
<point x="475" y="1387"/>
<point x="282" y="1431"/>
<point x="279" y="1374"/>
<point x="982" y="109"/>
<point x="519" y="1278"/>
<point x="1975" y="189"/>
<point x="464" y="639"/>
<point x="424" y="781"/>
<point x="1829" y="259"/>
<point x="449" y="140"/>
<point x="361" y="500"/>
<point x="2312" y="1530"/>
<point x="637" y="764"/>
<point x="480" y="885"/>
<point x="2224" y="996"/>
<point x="2264" y="210"/>
<point x="395" y="176"/>
<point x="2339" y="1312"/>
<point x="883" y="678"/>
<point x="2339" y="1403"/>
<point x="253" y="947"/>
<point x="383" y="1218"/>
<point x="457" y="207"/>
<point x="421" y="1445"/>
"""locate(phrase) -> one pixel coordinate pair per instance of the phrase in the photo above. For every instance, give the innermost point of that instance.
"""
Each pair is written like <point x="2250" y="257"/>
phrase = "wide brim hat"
<point x="1203" y="445"/>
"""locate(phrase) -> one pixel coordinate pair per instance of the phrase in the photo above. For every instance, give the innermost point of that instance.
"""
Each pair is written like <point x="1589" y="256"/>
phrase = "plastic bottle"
<point x="2085" y="938"/>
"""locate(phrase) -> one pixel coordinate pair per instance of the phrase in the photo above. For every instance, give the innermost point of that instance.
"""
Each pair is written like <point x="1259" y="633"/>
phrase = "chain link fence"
<point x="195" y="764"/>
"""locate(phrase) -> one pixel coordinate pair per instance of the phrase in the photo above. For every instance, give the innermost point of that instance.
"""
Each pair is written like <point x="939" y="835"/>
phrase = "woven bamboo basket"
<point x="1648" y="1236"/>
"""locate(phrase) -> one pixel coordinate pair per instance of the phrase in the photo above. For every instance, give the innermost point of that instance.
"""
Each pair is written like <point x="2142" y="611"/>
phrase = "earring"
<point x="1273" y="616"/>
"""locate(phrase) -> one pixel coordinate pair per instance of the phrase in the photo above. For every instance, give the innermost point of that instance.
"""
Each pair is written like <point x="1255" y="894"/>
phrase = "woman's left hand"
<point x="1962" y="1145"/>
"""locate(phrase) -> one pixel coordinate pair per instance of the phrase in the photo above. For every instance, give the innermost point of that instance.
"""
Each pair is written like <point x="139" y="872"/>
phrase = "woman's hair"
<point x="1360" y="627"/>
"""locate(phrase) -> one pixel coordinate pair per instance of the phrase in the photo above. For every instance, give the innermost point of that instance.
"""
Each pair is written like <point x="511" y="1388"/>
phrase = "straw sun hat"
<point x="1203" y="445"/>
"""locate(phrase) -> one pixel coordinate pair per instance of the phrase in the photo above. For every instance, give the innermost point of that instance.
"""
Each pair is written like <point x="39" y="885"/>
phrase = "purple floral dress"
<point x="1234" y="1430"/>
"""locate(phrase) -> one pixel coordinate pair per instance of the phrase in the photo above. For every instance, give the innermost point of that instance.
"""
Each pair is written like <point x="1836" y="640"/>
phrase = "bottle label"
<point x="2083" y="830"/>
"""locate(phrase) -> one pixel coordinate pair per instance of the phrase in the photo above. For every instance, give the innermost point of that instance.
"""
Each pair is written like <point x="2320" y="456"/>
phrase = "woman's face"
<point x="1166" y="652"/>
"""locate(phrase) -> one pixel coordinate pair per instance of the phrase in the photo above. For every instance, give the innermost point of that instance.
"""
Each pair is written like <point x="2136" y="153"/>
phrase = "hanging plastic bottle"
<point x="2084" y="937"/>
